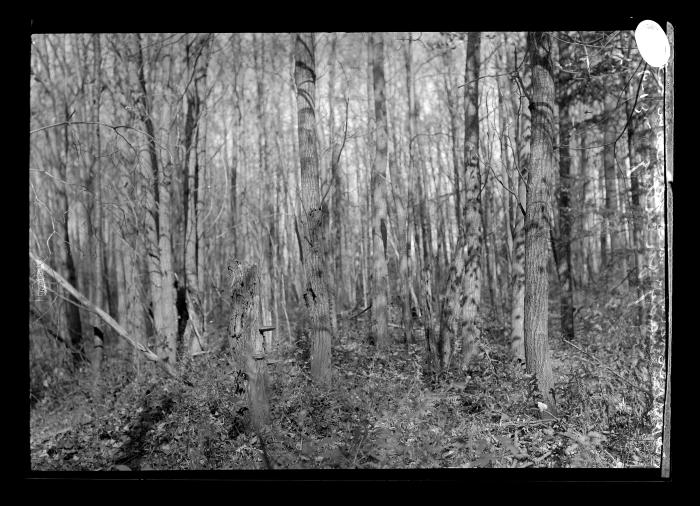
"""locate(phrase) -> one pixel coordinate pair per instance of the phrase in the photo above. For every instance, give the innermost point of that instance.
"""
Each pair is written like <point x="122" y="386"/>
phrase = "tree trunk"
<point x="197" y="61"/>
<point x="590" y="244"/>
<point x="416" y="166"/>
<point x="159" y="233"/>
<point x="337" y="206"/>
<point x="314" y="214"/>
<point x="269" y="220"/>
<point x="521" y="159"/>
<point x="616" y="259"/>
<point x="250" y="363"/>
<point x="95" y="217"/>
<point x="75" y="332"/>
<point x="564" y="242"/>
<point x="537" y="218"/>
<point x="380" y="276"/>
<point x="452" y="101"/>
<point x="460" y="308"/>
<point x="431" y="341"/>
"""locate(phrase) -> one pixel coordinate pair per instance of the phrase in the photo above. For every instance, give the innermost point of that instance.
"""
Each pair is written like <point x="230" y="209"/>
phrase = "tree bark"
<point x="337" y="202"/>
<point x="564" y="243"/>
<point x="380" y="276"/>
<point x="521" y="159"/>
<point x="197" y="62"/>
<point x="590" y="244"/>
<point x="247" y="344"/>
<point x="460" y="309"/>
<point x="159" y="242"/>
<point x="313" y="214"/>
<point x="73" y="320"/>
<point x="537" y="218"/>
<point x="616" y="259"/>
<point x="269" y="219"/>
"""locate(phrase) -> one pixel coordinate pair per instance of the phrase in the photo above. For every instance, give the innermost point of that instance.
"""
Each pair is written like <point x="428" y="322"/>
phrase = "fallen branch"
<point x="167" y="368"/>
<point x="358" y="314"/>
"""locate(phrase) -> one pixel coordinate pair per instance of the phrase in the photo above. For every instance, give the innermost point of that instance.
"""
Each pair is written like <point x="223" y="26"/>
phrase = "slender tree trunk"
<point x="517" y="314"/>
<point x="268" y="223"/>
<point x="431" y="341"/>
<point x="72" y="310"/>
<point x="159" y="233"/>
<point x="564" y="242"/>
<point x="416" y="166"/>
<point x="135" y="315"/>
<point x="197" y="59"/>
<point x="399" y="186"/>
<point x="590" y="244"/>
<point x="380" y="275"/>
<point x="95" y="217"/>
<point x="490" y="253"/>
<point x="537" y="218"/>
<point x="521" y="159"/>
<point x="337" y="206"/>
<point x="618" y="263"/>
<point x="314" y="214"/>
<point x="451" y="93"/>
<point x="460" y="309"/>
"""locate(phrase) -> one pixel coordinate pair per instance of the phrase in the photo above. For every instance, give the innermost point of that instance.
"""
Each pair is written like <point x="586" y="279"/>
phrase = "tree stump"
<point x="247" y="346"/>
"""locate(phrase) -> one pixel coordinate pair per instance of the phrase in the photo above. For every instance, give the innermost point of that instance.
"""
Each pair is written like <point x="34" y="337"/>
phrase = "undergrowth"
<point x="380" y="412"/>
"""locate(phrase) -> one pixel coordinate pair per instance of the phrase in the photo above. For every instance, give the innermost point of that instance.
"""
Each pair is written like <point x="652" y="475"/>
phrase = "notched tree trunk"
<point x="247" y="346"/>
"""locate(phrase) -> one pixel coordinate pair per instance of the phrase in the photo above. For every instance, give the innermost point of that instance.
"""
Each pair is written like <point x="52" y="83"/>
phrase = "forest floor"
<point x="381" y="411"/>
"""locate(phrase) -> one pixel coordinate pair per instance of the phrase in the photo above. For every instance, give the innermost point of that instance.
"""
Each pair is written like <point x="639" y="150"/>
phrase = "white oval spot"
<point x="652" y="43"/>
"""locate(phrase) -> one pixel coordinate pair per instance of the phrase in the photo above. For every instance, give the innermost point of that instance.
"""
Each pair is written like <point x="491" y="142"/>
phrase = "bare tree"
<point x="538" y="216"/>
<point x="159" y="243"/>
<point x="460" y="309"/>
<point x="564" y="240"/>
<point x="380" y="276"/>
<point x="314" y="212"/>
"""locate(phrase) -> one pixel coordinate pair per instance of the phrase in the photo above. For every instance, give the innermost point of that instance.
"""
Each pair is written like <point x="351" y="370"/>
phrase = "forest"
<point x="385" y="250"/>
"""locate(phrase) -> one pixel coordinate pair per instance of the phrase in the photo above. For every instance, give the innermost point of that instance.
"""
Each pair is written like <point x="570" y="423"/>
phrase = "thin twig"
<point x="606" y="367"/>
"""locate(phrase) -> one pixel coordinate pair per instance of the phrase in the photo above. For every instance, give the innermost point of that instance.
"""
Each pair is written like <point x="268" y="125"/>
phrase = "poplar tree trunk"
<point x="313" y="214"/>
<point x="134" y="307"/>
<point x="564" y="242"/>
<point x="537" y="218"/>
<point x="616" y="259"/>
<point x="399" y="189"/>
<point x="337" y="206"/>
<point x="521" y="161"/>
<point x="95" y="219"/>
<point x="416" y="166"/>
<point x="268" y="222"/>
<point x="591" y="245"/>
<point x="452" y="101"/>
<point x="159" y="241"/>
<point x="74" y="325"/>
<point x="517" y="314"/>
<point x="197" y="65"/>
<point x="460" y="309"/>
<point x="380" y="275"/>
